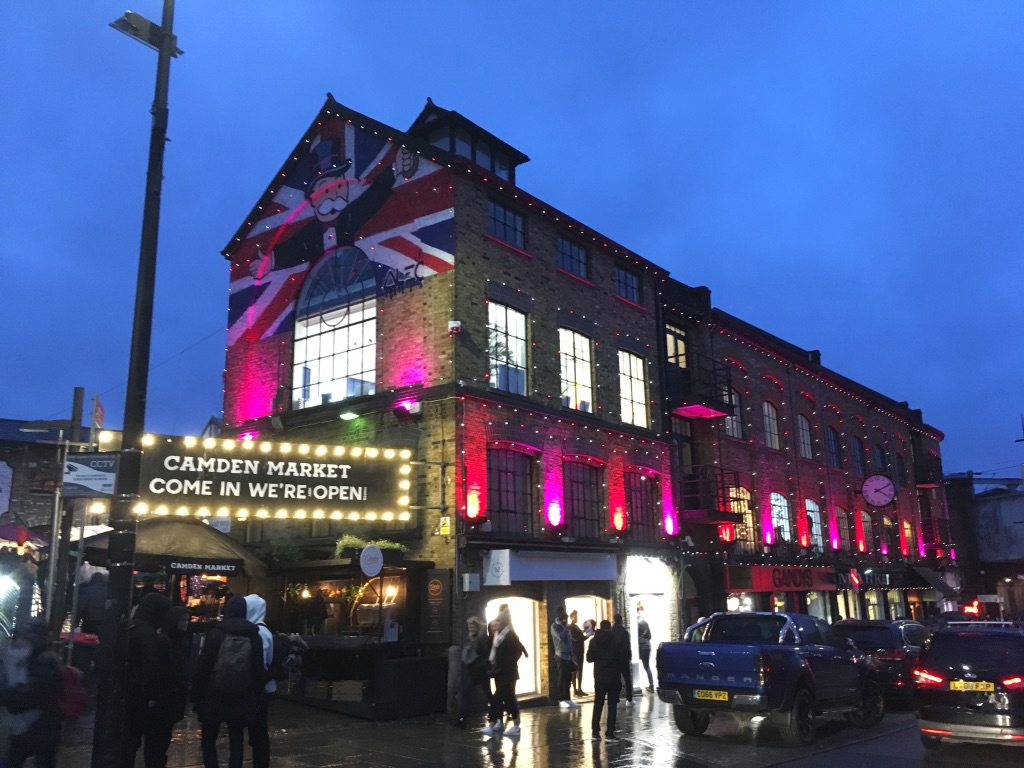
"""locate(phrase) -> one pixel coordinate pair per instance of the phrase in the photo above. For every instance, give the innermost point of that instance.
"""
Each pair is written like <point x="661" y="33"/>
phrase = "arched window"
<point x="881" y="461"/>
<point x="803" y="437"/>
<point x="781" y="521"/>
<point x="734" y="423"/>
<point x="835" y="449"/>
<point x="771" y="426"/>
<point x="843" y="529"/>
<point x="816" y="534"/>
<point x="865" y="542"/>
<point x="859" y="457"/>
<point x="510" y="484"/>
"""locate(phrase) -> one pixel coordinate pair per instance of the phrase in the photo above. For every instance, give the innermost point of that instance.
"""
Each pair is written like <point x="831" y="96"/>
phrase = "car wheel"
<point x="930" y="742"/>
<point x="872" y="708"/>
<point x="797" y="725"/>
<point x="690" y="722"/>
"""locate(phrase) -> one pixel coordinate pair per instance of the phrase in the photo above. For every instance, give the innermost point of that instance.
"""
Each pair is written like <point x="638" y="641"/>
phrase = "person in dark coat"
<point x="622" y="636"/>
<point x="92" y="603"/>
<point x="172" y="685"/>
<point x="503" y="667"/>
<point x="577" y="639"/>
<point x="608" y="656"/>
<point x="144" y="681"/>
<point x="236" y="708"/>
<point x="643" y="644"/>
<point x="34" y="693"/>
<point x="474" y="659"/>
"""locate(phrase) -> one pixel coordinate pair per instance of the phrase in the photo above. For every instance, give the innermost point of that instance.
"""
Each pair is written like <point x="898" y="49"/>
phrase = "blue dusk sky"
<point x="848" y="176"/>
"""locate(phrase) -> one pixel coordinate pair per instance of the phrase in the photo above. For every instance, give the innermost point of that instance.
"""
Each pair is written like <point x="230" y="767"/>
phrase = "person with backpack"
<point x="229" y="677"/>
<point x="503" y="667"/>
<point x="172" y="685"/>
<point x="259" y="728"/>
<point x="30" y="693"/>
<point x="144" y="682"/>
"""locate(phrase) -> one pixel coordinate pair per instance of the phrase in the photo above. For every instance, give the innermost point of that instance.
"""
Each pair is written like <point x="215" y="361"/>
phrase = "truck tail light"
<point x="762" y="668"/>
<point x="1014" y="683"/>
<point x="925" y="679"/>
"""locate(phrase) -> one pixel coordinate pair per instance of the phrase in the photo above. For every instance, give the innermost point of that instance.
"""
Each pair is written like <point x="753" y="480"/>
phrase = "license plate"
<point x="970" y="685"/>
<point x="711" y="695"/>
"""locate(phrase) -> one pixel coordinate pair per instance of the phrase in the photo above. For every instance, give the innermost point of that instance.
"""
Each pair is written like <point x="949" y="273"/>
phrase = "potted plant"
<point x="349" y="546"/>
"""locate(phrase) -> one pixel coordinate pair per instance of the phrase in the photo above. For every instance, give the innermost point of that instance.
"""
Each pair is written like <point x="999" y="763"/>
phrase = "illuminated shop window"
<point x="574" y="350"/>
<point x="632" y="389"/>
<point x="803" y="437"/>
<point x="506" y="348"/>
<point x="505" y="224"/>
<point x="510" y="483"/>
<point x="771" y="426"/>
<point x="781" y="519"/>
<point x="573" y="258"/>
<point x="335" y="350"/>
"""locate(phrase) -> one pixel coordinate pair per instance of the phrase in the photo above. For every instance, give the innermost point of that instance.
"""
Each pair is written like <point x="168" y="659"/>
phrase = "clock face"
<point x="878" y="490"/>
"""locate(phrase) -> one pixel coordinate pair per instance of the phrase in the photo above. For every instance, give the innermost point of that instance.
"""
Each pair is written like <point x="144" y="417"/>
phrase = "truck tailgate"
<point x="716" y="665"/>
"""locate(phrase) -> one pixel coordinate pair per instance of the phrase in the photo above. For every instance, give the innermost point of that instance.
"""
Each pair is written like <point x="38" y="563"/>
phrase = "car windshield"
<point x="745" y="629"/>
<point x="869" y="637"/>
<point x="977" y="650"/>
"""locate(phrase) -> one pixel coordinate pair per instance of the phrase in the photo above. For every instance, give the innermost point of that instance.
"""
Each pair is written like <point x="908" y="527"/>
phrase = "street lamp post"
<point x="109" y="732"/>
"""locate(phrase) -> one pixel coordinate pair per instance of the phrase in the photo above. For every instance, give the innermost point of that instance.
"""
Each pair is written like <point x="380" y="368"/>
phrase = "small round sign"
<point x="371" y="560"/>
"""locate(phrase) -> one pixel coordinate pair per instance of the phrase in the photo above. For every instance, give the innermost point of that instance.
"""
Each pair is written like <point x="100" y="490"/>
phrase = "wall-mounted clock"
<point x="878" y="490"/>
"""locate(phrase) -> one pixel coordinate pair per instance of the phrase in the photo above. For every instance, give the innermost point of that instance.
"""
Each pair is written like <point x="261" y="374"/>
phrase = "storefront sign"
<point x="89" y="475"/>
<point x="277" y="477"/>
<point x="871" y="579"/>
<point x="206" y="566"/>
<point x="371" y="560"/>
<point x="437" y="606"/>
<point x="780" y="578"/>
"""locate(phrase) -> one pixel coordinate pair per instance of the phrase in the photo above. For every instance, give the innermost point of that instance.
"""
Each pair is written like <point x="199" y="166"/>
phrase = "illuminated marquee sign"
<point x="213" y="477"/>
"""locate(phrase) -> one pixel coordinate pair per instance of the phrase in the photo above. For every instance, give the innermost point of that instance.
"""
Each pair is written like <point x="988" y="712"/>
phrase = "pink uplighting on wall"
<point x="553" y="513"/>
<point x="669" y="516"/>
<point x="248" y="437"/>
<point x="618" y="519"/>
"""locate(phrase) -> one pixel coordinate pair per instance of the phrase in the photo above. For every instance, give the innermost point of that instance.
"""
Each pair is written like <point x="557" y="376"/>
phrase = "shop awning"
<point x="182" y="545"/>
<point x="936" y="582"/>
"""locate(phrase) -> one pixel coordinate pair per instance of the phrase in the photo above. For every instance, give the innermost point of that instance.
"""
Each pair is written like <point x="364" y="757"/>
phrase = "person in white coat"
<point x="259" y="729"/>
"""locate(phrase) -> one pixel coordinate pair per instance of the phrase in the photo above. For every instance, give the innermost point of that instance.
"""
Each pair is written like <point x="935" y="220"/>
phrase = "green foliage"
<point x="385" y="544"/>
<point x="348" y="541"/>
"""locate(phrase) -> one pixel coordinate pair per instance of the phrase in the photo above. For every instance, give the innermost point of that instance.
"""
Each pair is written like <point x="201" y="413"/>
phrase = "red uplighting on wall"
<point x="619" y="519"/>
<point x="727" y="532"/>
<point x="473" y="504"/>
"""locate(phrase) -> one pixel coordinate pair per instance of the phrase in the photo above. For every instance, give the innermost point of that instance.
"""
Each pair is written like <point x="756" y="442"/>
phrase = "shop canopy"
<point x="935" y="581"/>
<point x="183" y="546"/>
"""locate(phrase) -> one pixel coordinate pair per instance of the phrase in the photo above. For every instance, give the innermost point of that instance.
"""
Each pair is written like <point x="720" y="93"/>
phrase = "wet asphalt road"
<point x="303" y="737"/>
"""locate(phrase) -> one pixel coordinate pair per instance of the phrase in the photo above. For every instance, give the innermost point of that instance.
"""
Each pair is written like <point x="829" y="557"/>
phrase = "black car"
<point x="893" y="646"/>
<point x="969" y="685"/>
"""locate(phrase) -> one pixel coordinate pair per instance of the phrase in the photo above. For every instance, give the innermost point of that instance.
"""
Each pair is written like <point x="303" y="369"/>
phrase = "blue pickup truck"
<point x="785" y="667"/>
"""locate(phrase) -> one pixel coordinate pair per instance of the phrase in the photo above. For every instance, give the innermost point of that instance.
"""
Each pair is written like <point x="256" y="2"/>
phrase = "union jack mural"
<point x="352" y="187"/>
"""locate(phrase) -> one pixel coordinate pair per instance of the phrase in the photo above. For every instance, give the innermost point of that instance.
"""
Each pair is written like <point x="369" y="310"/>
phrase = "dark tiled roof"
<point x="10" y="432"/>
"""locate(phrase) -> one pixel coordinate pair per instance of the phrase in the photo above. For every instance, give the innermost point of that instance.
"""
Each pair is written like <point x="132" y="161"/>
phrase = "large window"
<point x="740" y="503"/>
<point x="908" y="536"/>
<point x="632" y="389"/>
<point x="642" y="491"/>
<point x="835" y="449"/>
<point x="867" y="540"/>
<point x="803" y="437"/>
<point x="888" y="535"/>
<point x="675" y="344"/>
<point x="627" y="284"/>
<point x="734" y="423"/>
<point x="900" y="470"/>
<point x="771" y="426"/>
<point x="506" y="348"/>
<point x="781" y="520"/>
<point x="335" y="349"/>
<point x="843" y="528"/>
<point x="505" y="224"/>
<point x="581" y="483"/>
<point x="859" y="457"/>
<point x="881" y="458"/>
<point x="573" y="258"/>
<point x="510" y="481"/>
<point x="577" y="371"/>
<point x="815" y="531"/>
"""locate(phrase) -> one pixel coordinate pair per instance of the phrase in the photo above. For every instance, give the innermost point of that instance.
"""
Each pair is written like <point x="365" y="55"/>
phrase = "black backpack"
<point x="232" y="671"/>
<point x="287" y="656"/>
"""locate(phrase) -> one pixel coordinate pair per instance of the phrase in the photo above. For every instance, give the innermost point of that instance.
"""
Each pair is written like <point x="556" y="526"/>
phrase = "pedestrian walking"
<point x="607" y="655"/>
<point x="503" y="668"/>
<point x="141" y="728"/>
<point x="577" y="639"/>
<point x="230" y="674"/>
<point x="259" y="727"/>
<point x="643" y="642"/>
<point x="561" y="640"/>
<point x="172" y="685"/>
<point x="622" y="635"/>
<point x="30" y="695"/>
<point x="473" y="662"/>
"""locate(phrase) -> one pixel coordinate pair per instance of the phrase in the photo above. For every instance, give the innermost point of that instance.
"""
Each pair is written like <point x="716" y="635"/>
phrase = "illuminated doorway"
<point x="588" y="607"/>
<point x="645" y="580"/>
<point x="524" y="621"/>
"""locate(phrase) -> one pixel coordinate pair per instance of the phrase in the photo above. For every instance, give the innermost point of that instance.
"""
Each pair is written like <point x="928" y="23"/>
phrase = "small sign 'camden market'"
<point x="214" y="477"/>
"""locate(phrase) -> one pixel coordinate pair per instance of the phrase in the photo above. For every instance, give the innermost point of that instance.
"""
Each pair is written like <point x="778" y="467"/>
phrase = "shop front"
<point x="781" y="589"/>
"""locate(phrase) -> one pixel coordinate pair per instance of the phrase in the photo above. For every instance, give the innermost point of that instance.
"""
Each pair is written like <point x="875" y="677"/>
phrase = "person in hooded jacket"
<point x="144" y="681"/>
<point x="608" y="656"/>
<point x="259" y="728"/>
<point x="34" y="694"/>
<point x="236" y="708"/>
<point x="503" y="666"/>
<point x="172" y="685"/>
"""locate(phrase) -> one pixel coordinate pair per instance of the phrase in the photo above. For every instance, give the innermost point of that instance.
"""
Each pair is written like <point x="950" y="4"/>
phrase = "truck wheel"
<point x="797" y="725"/>
<point x="872" y="708"/>
<point x="690" y="722"/>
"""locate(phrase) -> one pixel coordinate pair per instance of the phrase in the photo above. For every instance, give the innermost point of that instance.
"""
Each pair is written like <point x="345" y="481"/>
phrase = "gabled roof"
<point x="433" y="116"/>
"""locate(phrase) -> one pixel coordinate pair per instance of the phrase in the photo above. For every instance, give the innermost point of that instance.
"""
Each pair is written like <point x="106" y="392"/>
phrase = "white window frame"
<point x="506" y="348"/>
<point x="334" y="355"/>
<point x="816" y="533"/>
<point x="772" y="437"/>
<point x="782" y="519"/>
<point x="577" y="370"/>
<point x="633" y="389"/>
<point x="734" y="422"/>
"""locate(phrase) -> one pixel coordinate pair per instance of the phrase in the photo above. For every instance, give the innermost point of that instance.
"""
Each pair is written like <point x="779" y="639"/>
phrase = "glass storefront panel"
<point x="740" y="602"/>
<point x="874" y="604"/>
<point x="817" y="605"/>
<point x="896" y="610"/>
<point x="588" y="608"/>
<point x="525" y="623"/>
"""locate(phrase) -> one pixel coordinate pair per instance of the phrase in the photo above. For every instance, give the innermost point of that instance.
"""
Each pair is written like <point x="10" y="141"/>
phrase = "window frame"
<point x="815" y="541"/>
<point x="573" y="258"/>
<point x="834" y="448"/>
<point x="510" y="221"/>
<point x="499" y="335"/>
<point x="643" y="491"/>
<point x="804" y="440"/>
<point x="624" y="287"/>
<point x="770" y="418"/>
<point x="843" y="530"/>
<point x="633" y="407"/>
<point x="583" y="498"/>
<point x="782" y="518"/>
<point x="734" y="422"/>
<point x="860" y="466"/>
<point x="739" y="502"/>
<point x="572" y="366"/>
<point x="524" y="492"/>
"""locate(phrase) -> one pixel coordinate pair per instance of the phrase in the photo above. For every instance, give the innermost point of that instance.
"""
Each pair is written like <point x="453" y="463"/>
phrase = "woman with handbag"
<point x="503" y="668"/>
